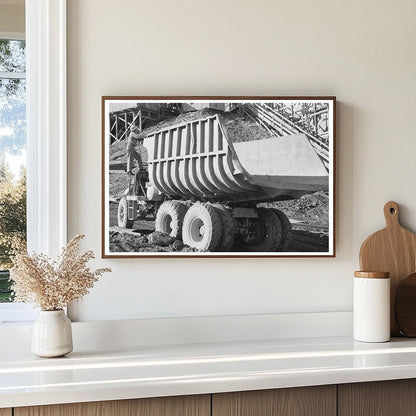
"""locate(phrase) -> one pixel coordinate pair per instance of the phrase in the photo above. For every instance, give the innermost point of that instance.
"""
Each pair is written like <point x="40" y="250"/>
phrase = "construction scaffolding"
<point x="281" y="119"/>
<point x="143" y="115"/>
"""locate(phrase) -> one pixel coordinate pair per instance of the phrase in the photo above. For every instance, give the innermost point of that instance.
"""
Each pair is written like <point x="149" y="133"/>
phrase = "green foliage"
<point x="12" y="214"/>
<point x="12" y="59"/>
<point x="6" y="294"/>
<point x="12" y="55"/>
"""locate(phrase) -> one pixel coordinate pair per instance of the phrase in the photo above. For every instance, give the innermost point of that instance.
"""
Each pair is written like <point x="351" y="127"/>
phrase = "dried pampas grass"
<point x="53" y="285"/>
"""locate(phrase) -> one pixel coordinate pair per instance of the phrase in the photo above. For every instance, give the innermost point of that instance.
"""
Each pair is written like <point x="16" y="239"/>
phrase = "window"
<point x="46" y="133"/>
<point x="12" y="161"/>
<point x="12" y="155"/>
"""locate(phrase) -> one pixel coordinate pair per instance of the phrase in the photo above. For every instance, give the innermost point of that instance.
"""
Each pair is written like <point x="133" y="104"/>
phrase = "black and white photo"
<point x="218" y="176"/>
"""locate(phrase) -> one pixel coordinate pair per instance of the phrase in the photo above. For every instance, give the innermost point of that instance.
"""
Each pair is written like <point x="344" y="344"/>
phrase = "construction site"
<point x="219" y="177"/>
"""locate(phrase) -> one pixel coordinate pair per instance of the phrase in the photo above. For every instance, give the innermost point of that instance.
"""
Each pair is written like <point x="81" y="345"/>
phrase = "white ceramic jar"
<point x="371" y="310"/>
<point x="52" y="334"/>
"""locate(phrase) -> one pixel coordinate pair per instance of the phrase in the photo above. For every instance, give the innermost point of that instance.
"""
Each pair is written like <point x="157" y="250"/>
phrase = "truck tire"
<point x="286" y="229"/>
<point x="228" y="228"/>
<point x="202" y="228"/>
<point x="271" y="230"/>
<point x="122" y="219"/>
<point x="187" y="204"/>
<point x="169" y="218"/>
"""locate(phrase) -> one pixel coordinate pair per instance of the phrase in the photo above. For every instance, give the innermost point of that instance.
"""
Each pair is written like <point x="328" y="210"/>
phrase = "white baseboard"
<point x="127" y="334"/>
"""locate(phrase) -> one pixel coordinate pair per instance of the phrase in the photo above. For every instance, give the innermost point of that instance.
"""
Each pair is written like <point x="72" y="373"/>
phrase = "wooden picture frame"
<point x="218" y="176"/>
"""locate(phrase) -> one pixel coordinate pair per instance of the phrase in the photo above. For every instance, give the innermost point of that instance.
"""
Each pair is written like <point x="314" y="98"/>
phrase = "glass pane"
<point x="5" y="291"/>
<point x="12" y="116"/>
<point x="12" y="56"/>
<point x="12" y="175"/>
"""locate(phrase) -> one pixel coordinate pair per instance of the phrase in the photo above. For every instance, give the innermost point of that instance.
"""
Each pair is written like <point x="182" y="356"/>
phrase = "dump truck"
<point x="206" y="189"/>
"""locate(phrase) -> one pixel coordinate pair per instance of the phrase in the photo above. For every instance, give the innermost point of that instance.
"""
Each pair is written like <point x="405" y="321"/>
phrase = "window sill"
<point x="16" y="313"/>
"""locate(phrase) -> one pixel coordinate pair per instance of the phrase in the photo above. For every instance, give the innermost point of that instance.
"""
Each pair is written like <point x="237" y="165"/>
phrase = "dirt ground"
<point x="309" y="212"/>
<point x="138" y="239"/>
<point x="243" y="129"/>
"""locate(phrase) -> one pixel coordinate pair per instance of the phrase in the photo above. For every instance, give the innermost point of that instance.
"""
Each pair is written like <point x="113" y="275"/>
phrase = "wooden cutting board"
<point x="392" y="250"/>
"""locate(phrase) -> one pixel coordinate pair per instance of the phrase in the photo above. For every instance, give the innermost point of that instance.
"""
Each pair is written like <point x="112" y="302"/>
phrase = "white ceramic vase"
<point x="52" y="334"/>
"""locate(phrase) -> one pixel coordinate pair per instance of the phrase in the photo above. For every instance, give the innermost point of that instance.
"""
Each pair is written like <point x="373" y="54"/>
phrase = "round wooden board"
<point x="405" y="306"/>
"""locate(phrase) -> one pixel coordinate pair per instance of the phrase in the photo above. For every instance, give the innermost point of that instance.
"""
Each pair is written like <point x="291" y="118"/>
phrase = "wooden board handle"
<point x="391" y="214"/>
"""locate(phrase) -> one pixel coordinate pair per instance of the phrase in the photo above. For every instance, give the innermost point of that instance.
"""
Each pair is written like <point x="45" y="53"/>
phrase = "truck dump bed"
<point x="197" y="160"/>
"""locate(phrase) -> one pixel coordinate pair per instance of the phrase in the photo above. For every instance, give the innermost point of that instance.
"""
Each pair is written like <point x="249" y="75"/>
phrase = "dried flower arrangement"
<point x="53" y="285"/>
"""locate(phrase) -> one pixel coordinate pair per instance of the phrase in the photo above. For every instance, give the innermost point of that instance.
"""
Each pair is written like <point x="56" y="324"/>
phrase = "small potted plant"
<point x="52" y="286"/>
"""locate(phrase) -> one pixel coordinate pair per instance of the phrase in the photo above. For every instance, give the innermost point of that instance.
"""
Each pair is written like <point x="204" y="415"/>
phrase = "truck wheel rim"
<point x="197" y="230"/>
<point x="167" y="224"/>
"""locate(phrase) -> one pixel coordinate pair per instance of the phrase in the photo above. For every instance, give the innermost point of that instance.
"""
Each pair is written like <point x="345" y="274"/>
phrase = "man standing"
<point x="132" y="152"/>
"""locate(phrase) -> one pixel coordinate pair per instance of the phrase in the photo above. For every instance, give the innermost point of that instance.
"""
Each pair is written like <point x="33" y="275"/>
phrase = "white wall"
<point x="361" y="51"/>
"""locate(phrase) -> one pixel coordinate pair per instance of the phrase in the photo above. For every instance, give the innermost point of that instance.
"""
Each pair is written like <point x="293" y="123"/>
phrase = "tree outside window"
<point x="12" y="156"/>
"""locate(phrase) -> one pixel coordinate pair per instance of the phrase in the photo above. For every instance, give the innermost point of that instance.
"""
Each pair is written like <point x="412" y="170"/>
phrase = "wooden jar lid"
<point x="372" y="275"/>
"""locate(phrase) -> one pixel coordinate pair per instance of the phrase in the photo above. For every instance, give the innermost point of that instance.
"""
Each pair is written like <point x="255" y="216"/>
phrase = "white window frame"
<point x="46" y="125"/>
<point x="46" y="134"/>
<point x="14" y="312"/>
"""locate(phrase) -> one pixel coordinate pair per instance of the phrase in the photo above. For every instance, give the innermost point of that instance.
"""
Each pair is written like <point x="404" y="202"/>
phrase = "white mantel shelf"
<point x="151" y="371"/>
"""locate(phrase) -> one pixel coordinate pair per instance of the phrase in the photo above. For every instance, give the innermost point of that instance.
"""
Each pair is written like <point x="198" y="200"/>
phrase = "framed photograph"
<point x="218" y="176"/>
